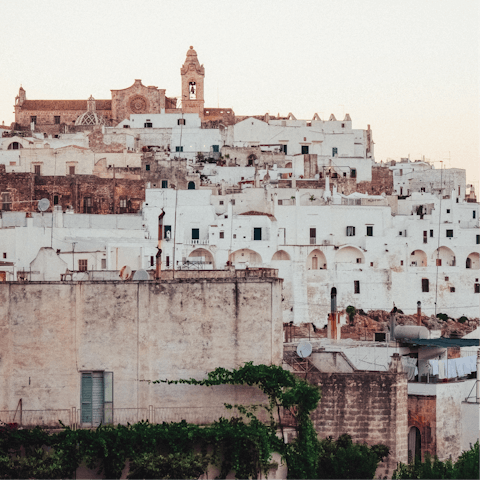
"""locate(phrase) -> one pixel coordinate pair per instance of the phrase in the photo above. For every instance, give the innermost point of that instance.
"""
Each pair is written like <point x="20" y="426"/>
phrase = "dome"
<point x="90" y="118"/>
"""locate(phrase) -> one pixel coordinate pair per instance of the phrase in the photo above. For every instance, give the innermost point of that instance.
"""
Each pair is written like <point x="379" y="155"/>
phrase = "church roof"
<point x="64" y="105"/>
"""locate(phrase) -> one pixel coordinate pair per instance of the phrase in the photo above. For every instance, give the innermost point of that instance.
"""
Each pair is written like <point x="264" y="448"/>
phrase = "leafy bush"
<point x="466" y="467"/>
<point x="345" y="459"/>
<point x="462" y="319"/>
<point x="442" y="316"/>
<point x="351" y="310"/>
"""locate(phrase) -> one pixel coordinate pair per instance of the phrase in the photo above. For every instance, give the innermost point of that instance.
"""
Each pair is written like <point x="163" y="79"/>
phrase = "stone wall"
<point x="52" y="331"/>
<point x="369" y="406"/>
<point x="162" y="168"/>
<point x="106" y="194"/>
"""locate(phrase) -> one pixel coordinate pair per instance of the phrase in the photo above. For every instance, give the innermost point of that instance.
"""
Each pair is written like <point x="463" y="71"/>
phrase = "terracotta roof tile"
<point x="65" y="105"/>
<point x="252" y="212"/>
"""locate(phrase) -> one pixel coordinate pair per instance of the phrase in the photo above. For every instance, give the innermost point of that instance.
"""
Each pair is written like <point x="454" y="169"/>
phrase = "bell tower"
<point x="193" y="75"/>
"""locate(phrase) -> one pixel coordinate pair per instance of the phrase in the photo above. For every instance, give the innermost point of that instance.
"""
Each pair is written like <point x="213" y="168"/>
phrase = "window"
<point x="449" y="233"/>
<point x="452" y="289"/>
<point x="33" y="119"/>
<point x="56" y="119"/>
<point x="477" y="288"/>
<point x="356" y="286"/>
<point x="195" y="233"/>
<point x="350" y="231"/>
<point x="123" y="205"/>
<point x="181" y="121"/>
<point x="4" y="254"/>
<point x="233" y="201"/>
<point x="371" y="263"/>
<point x="334" y="151"/>
<point x="87" y="205"/>
<point x="14" y="146"/>
<point x="71" y="170"/>
<point x="313" y="236"/>
<point x="478" y="239"/>
<point x="215" y="148"/>
<point x="425" y="236"/>
<point x="55" y="199"/>
<point x="304" y="149"/>
<point x="192" y="90"/>
<point x="222" y="234"/>
<point x="147" y="167"/>
<point x="7" y="202"/>
<point x="283" y="148"/>
<point x="401" y="262"/>
<point x="191" y="186"/>
<point x="468" y="263"/>
<point x="353" y="173"/>
<point x="438" y="262"/>
<point x="359" y="260"/>
<point x="167" y="231"/>
<point x="103" y="263"/>
<point x="234" y="235"/>
<point x="96" y="398"/>
<point x="344" y="174"/>
<point x="431" y="233"/>
<point x="126" y="126"/>
<point x="179" y="149"/>
<point x="167" y="261"/>
<point x="446" y="279"/>
<point x="474" y="214"/>
<point x="425" y="285"/>
<point x="37" y="169"/>
<point x="309" y="124"/>
<point x="82" y="265"/>
<point x="147" y="125"/>
<point x="369" y="231"/>
<point x="152" y="260"/>
<point x="257" y="233"/>
<point x="220" y="202"/>
<point x="164" y="183"/>
<point x="448" y="210"/>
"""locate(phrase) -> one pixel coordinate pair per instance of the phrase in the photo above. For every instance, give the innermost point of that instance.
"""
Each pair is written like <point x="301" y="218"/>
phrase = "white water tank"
<point x="411" y="332"/>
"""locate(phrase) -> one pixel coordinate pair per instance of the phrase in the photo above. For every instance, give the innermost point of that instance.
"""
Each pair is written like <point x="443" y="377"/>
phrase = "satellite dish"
<point x="141" y="275"/>
<point x="43" y="204"/>
<point x="125" y="272"/>
<point x="304" y="349"/>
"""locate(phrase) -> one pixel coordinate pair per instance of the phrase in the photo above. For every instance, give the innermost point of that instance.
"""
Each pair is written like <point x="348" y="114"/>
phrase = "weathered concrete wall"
<point x="369" y="406"/>
<point x="422" y="413"/>
<point x="51" y="332"/>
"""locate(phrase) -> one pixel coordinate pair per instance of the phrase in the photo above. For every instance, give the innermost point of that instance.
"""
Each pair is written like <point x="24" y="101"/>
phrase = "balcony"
<point x="197" y="241"/>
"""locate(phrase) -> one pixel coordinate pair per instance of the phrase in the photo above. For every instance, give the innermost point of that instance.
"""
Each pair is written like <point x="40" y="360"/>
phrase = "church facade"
<point x="58" y="116"/>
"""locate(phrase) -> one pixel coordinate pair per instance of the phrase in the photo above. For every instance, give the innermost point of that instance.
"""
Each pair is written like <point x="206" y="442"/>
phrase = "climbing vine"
<point x="171" y="450"/>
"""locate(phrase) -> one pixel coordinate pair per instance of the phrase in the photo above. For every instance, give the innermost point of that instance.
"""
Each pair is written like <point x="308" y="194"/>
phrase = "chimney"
<point x="419" y="313"/>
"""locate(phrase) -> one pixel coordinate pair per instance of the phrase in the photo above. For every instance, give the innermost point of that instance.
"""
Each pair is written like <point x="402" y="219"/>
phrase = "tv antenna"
<point x="43" y="204"/>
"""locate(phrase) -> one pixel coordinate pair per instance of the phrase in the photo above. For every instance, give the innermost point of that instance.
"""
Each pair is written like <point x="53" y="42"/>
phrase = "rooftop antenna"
<point x="304" y="350"/>
<point x="43" y="204"/>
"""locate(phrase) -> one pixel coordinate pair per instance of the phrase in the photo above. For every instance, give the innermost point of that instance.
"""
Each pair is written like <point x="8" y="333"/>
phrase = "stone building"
<point x="58" y="116"/>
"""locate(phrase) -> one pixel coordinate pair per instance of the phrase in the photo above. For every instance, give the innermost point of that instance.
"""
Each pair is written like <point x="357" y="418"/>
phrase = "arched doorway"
<point x="333" y="299"/>
<point x="280" y="255"/>
<point x="473" y="261"/>
<point x="414" y="444"/>
<point x="245" y="258"/>
<point x="349" y="255"/>
<point x="444" y="257"/>
<point x="200" y="259"/>
<point x="316" y="260"/>
<point x="191" y="185"/>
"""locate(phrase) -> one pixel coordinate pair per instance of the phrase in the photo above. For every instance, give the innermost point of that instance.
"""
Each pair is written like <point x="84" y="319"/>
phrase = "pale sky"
<point x="409" y="69"/>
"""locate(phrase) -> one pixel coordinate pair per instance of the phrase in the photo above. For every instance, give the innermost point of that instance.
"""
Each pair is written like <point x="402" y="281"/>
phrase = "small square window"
<point x="257" y="233"/>
<point x="431" y="233"/>
<point x="446" y="279"/>
<point x="371" y="264"/>
<point x="234" y="235"/>
<point x="57" y="119"/>
<point x="350" y="231"/>
<point x="181" y="121"/>
<point x="179" y="148"/>
<point x="164" y="183"/>
<point x="304" y="149"/>
<point x="359" y="260"/>
<point x="123" y="203"/>
<point x="37" y="169"/>
<point x="438" y="262"/>
<point x="220" y="202"/>
<point x="222" y="234"/>
<point x="33" y="119"/>
<point x="148" y="125"/>
<point x="82" y="265"/>
<point x="401" y="262"/>
<point x="147" y="167"/>
<point x="369" y="231"/>
<point x="449" y="233"/>
<point x="448" y="210"/>
<point x="452" y="289"/>
<point x="215" y="148"/>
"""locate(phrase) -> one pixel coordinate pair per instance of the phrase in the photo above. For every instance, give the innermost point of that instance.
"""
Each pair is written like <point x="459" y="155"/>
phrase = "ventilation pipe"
<point x="419" y="313"/>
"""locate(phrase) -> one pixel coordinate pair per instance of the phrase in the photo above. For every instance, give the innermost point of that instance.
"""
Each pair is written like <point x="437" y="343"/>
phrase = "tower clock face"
<point x="138" y="104"/>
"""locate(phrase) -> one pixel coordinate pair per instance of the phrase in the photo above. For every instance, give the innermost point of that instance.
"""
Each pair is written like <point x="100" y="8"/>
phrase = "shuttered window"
<point x="97" y="398"/>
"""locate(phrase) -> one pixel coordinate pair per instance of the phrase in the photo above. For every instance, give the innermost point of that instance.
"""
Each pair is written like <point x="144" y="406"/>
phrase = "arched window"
<point x="333" y="299"/>
<point x="191" y="185"/>
<point x="15" y="146"/>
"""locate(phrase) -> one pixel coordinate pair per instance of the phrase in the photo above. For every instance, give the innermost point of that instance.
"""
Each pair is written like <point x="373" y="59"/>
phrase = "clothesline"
<point x="455" y="367"/>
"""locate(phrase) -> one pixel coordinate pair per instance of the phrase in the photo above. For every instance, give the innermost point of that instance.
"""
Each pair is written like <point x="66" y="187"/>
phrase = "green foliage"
<point x="243" y="445"/>
<point x="345" y="459"/>
<point x="466" y="467"/>
<point x="442" y="316"/>
<point x="351" y="311"/>
<point x="462" y="319"/>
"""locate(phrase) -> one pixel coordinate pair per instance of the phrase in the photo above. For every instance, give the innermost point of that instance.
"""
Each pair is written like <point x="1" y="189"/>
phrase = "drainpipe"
<point x="478" y="376"/>
<point x="158" y="256"/>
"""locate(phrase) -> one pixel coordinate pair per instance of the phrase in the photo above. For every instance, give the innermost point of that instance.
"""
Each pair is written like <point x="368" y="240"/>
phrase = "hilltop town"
<point x="146" y="236"/>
